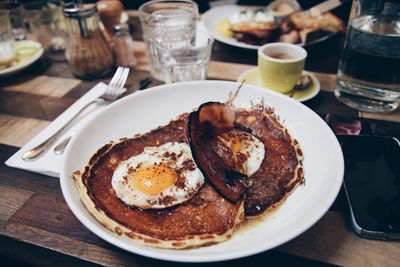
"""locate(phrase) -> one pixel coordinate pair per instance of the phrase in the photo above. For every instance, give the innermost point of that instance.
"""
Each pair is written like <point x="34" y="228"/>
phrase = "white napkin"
<point x="50" y="163"/>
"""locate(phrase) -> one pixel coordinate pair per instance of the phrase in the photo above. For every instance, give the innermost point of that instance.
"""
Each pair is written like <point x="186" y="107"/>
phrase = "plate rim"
<point x="223" y="39"/>
<point x="20" y="67"/>
<point x="104" y="233"/>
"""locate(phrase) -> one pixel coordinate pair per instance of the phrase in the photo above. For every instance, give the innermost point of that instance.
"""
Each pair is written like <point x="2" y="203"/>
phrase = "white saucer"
<point x="252" y="77"/>
<point x="28" y="52"/>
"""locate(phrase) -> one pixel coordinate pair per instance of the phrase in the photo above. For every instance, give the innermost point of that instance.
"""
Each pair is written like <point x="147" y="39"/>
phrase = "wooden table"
<point x="38" y="228"/>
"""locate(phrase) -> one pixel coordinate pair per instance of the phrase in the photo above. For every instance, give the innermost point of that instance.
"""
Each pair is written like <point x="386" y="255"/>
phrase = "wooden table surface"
<point x="38" y="228"/>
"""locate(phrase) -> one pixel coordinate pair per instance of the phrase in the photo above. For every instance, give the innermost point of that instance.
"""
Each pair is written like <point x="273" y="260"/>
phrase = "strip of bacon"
<point x="210" y="119"/>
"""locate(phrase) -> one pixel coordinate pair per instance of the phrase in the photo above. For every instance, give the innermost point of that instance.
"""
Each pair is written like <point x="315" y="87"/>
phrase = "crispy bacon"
<point x="210" y="119"/>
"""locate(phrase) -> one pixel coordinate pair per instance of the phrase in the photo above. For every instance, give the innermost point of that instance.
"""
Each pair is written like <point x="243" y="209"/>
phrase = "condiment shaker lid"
<point x="74" y="11"/>
<point x="121" y="29"/>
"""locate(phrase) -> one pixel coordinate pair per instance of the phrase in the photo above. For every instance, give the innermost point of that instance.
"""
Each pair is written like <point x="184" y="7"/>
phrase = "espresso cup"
<point x="281" y="65"/>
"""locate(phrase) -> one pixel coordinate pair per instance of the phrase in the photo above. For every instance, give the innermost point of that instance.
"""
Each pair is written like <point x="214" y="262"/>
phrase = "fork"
<point x="114" y="89"/>
<point x="60" y="147"/>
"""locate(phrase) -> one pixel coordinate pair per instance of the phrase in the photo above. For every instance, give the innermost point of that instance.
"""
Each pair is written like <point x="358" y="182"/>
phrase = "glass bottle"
<point x="88" y="53"/>
<point x="123" y="46"/>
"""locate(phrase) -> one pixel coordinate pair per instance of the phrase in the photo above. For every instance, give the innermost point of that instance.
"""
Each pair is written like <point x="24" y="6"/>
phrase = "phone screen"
<point x="372" y="183"/>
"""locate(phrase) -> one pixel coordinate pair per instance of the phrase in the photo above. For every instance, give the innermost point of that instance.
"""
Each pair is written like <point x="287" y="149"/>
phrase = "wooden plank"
<point x="319" y="243"/>
<point x="17" y="131"/>
<point x="11" y="199"/>
<point x="26" y="180"/>
<point x="59" y="218"/>
<point x="331" y="240"/>
<point x="32" y="105"/>
<point x="21" y="254"/>
<point x="42" y="85"/>
<point x="391" y="116"/>
<point x="226" y="71"/>
<point x="118" y="257"/>
<point x="61" y="226"/>
<point x="72" y="247"/>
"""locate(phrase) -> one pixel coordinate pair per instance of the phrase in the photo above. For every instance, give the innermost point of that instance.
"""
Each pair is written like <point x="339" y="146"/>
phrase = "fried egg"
<point x="242" y="151"/>
<point x="159" y="177"/>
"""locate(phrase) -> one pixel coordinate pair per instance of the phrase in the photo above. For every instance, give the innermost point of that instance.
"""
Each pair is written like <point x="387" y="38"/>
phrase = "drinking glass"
<point x="15" y="10"/>
<point x="187" y="63"/>
<point x="46" y="22"/>
<point x="170" y="24"/>
<point x="7" y="48"/>
<point x="368" y="78"/>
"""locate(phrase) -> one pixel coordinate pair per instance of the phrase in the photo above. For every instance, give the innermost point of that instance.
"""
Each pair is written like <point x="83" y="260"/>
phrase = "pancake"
<point x="207" y="218"/>
<point x="326" y="22"/>
<point x="281" y="170"/>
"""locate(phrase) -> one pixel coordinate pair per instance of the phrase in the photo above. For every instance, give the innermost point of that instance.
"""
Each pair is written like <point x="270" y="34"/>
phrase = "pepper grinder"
<point x="88" y="53"/>
<point x="110" y="14"/>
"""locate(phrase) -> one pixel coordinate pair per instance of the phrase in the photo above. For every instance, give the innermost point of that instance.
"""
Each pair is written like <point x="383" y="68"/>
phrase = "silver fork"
<point x="60" y="147"/>
<point x="114" y="90"/>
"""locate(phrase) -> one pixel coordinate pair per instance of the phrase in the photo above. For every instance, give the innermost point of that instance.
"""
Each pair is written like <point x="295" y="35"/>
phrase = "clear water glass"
<point x="7" y="47"/>
<point x="46" y="22"/>
<point x="14" y="7"/>
<point x="188" y="63"/>
<point x="170" y="24"/>
<point x="369" y="70"/>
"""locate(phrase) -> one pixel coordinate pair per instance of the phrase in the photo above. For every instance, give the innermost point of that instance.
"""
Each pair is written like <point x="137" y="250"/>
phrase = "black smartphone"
<point x="372" y="184"/>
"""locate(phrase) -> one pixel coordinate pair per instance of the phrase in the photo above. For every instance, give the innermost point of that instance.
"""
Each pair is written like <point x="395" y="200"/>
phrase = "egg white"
<point x="242" y="15"/>
<point x="251" y="148"/>
<point x="264" y="15"/>
<point x="248" y="15"/>
<point x="172" y="155"/>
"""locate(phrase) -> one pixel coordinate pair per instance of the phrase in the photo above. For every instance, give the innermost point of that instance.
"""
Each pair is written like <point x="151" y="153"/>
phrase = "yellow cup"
<point x="281" y="65"/>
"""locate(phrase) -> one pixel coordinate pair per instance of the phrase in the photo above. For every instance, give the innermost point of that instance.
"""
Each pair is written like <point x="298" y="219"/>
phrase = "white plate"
<point x="213" y="16"/>
<point x="146" y="110"/>
<point x="28" y="52"/>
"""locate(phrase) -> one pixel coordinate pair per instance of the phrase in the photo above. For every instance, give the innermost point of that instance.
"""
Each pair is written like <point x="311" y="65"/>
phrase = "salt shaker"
<point x="88" y="53"/>
<point x="123" y="46"/>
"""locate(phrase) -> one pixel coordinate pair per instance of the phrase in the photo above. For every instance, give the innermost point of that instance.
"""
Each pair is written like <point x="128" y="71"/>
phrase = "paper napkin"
<point x="50" y="163"/>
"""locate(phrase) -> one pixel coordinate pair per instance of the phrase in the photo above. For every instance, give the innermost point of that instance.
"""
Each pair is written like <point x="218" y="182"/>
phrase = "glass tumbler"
<point x="7" y="48"/>
<point x="170" y="24"/>
<point x="17" y="19"/>
<point x="188" y="63"/>
<point x="46" y="22"/>
<point x="368" y="78"/>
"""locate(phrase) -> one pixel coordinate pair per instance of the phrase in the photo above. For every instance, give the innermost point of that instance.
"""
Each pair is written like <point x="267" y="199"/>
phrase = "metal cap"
<point x="73" y="11"/>
<point x="121" y="29"/>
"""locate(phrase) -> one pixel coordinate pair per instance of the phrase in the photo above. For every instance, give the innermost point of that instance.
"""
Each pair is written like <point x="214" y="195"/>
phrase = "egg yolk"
<point x="236" y="146"/>
<point x="154" y="179"/>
